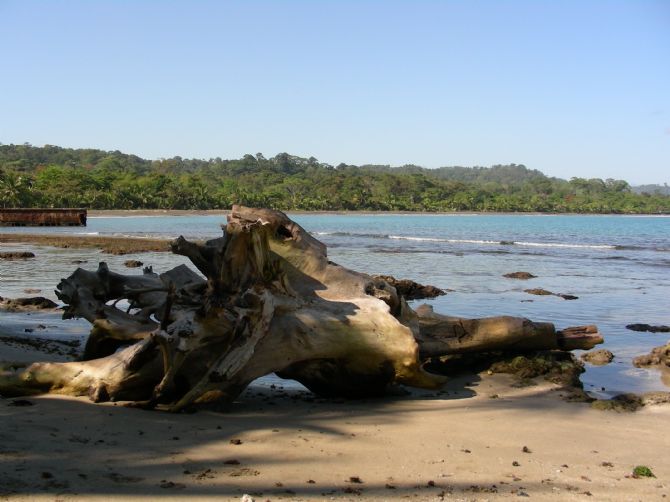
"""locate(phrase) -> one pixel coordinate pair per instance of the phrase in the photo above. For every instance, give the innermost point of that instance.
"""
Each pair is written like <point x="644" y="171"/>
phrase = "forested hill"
<point x="51" y="176"/>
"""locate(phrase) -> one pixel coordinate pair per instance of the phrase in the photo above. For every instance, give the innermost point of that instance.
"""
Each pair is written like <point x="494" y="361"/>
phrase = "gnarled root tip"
<point x="579" y="337"/>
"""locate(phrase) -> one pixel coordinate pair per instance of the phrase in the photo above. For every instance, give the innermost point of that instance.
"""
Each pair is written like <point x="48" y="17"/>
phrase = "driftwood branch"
<point x="270" y="301"/>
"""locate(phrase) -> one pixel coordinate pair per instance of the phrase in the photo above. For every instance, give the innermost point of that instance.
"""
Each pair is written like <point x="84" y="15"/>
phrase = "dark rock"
<point x="133" y="263"/>
<point x="33" y="302"/>
<point x="648" y="327"/>
<point x="520" y="275"/>
<point x="598" y="357"/>
<point x="538" y="291"/>
<point x="568" y="297"/>
<point x="16" y="255"/>
<point x="411" y="290"/>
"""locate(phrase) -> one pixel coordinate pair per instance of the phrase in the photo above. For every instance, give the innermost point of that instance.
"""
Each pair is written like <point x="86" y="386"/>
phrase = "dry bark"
<point x="270" y="301"/>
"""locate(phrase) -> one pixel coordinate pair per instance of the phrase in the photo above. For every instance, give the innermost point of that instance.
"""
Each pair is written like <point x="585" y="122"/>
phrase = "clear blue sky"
<point x="572" y="88"/>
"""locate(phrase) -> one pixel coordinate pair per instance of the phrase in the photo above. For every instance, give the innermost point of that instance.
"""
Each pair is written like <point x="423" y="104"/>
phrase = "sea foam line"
<point x="469" y="241"/>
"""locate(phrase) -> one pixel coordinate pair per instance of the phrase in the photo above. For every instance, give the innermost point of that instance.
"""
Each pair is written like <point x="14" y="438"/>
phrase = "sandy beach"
<point x="480" y="438"/>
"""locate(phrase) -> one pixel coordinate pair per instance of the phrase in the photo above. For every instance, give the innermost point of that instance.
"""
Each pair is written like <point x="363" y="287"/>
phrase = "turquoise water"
<point x="618" y="266"/>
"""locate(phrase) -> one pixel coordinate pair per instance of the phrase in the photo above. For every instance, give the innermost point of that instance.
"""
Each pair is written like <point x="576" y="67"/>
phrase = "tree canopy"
<point x="51" y="176"/>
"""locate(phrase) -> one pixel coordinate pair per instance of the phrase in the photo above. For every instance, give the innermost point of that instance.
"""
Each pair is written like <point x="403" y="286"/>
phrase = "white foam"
<point x="559" y="245"/>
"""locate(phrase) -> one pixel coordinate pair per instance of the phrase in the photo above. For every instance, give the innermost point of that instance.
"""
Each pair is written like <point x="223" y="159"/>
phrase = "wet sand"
<point x="113" y="245"/>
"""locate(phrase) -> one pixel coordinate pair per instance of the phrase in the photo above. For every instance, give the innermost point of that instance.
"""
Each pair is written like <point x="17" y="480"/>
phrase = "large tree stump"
<point x="270" y="301"/>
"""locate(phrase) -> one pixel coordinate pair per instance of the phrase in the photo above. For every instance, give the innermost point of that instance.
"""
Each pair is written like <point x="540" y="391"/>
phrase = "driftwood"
<point x="270" y="301"/>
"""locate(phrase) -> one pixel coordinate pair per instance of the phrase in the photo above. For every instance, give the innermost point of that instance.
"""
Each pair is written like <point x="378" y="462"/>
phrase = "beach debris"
<point x="133" y="263"/>
<point x="16" y="255"/>
<point x="32" y="291"/>
<point x="244" y="471"/>
<point x="520" y="275"/>
<point x="247" y="498"/>
<point x="270" y="302"/>
<point x="649" y="328"/>
<point x="642" y="471"/>
<point x="598" y="357"/>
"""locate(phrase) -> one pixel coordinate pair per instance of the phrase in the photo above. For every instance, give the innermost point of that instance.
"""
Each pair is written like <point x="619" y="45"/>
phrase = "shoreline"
<point x="105" y="213"/>
<point x="107" y="244"/>
<point x="480" y="437"/>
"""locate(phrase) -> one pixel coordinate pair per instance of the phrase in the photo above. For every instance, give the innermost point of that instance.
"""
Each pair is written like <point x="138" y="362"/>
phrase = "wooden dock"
<point x="43" y="217"/>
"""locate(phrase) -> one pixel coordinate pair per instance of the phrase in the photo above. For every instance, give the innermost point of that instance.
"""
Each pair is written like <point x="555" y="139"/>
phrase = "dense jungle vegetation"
<point x="52" y="176"/>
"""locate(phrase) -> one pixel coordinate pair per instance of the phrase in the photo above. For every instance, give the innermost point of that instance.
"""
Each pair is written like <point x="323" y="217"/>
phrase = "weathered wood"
<point x="271" y="301"/>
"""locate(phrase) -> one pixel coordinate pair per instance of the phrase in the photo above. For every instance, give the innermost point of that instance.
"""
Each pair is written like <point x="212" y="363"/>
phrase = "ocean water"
<point x="618" y="266"/>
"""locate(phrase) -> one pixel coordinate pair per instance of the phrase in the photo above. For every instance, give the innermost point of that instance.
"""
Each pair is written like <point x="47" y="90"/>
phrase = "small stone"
<point x="538" y="291"/>
<point x="598" y="357"/>
<point x="520" y="275"/>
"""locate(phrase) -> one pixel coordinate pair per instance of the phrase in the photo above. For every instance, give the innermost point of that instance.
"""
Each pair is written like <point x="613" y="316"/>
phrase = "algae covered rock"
<point x="598" y="357"/>
<point x="555" y="366"/>
<point x="659" y="356"/>
<point x="620" y="403"/>
<point x="520" y="275"/>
